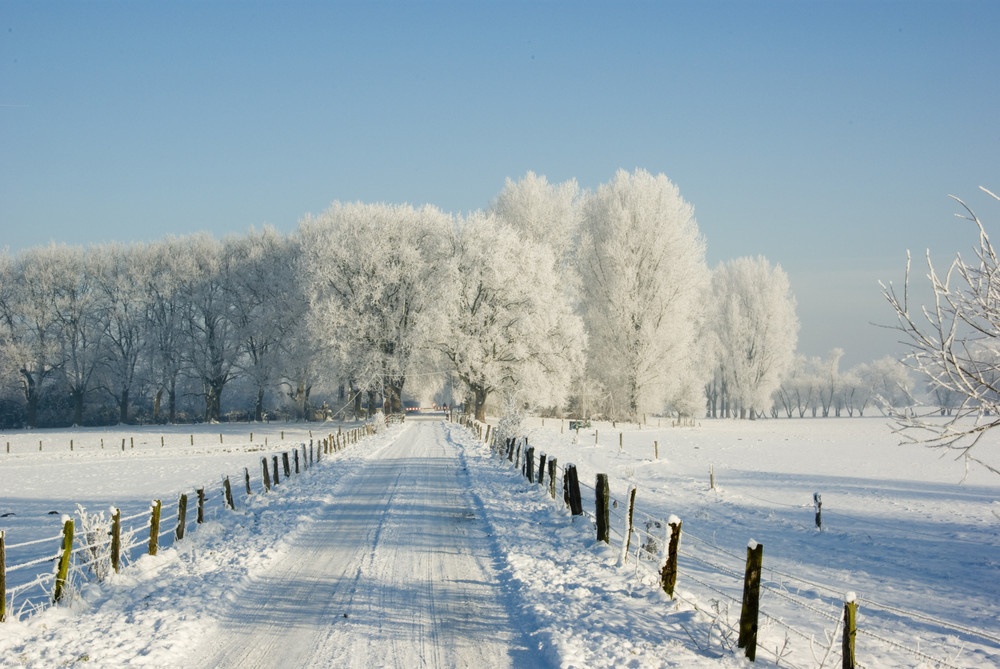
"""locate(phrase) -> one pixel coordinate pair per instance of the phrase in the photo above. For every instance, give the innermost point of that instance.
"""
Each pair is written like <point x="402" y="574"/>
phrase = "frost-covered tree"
<point x="543" y="213"/>
<point x="210" y="343"/>
<point x="955" y="344"/>
<point x="642" y="266"/>
<point x="267" y="306"/>
<point x="170" y="265"/>
<point x="121" y="275"/>
<point x="755" y="326"/>
<point x="507" y="326"/>
<point x="374" y="272"/>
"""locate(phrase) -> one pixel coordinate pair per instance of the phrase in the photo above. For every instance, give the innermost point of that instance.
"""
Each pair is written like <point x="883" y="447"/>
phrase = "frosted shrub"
<point x="510" y="425"/>
<point x="378" y="422"/>
<point x="94" y="535"/>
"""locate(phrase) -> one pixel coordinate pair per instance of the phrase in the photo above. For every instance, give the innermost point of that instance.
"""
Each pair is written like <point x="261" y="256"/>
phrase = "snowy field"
<point x="920" y="547"/>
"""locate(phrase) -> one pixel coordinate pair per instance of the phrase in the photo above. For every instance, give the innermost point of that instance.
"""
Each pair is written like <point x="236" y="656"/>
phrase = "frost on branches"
<point x="642" y="265"/>
<point x="955" y="343"/>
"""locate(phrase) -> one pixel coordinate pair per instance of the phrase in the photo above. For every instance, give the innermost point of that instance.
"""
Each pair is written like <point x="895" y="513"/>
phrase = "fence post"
<point x="275" y="478"/>
<point x="751" y="600"/>
<point x="818" y="503"/>
<point x="510" y="449"/>
<point x="201" y="505"/>
<point x="116" y="539"/>
<point x="627" y="541"/>
<point x="668" y="575"/>
<point x="182" y="505"/>
<point x="296" y="461"/>
<point x="541" y="469"/>
<point x="3" y="579"/>
<point x="529" y="464"/>
<point x="602" y="498"/>
<point x="656" y="450"/>
<point x="267" y="475"/>
<point x="67" y="551"/>
<point x="285" y="465"/>
<point x="154" y="527"/>
<point x="552" y="477"/>
<point x="575" y="505"/>
<point x="850" y="630"/>
<point x="246" y="478"/>
<point x="229" y="494"/>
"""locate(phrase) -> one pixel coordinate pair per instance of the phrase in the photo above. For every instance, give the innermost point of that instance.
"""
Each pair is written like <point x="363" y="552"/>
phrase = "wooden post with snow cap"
<point x="201" y="505"/>
<point x="553" y="465"/>
<point x="267" y="475"/>
<point x="751" y="600"/>
<point x="274" y="478"/>
<point x="602" y="503"/>
<point x="541" y="469"/>
<point x="573" y="483"/>
<point x="64" y="557"/>
<point x="182" y="505"/>
<point x="116" y="539"/>
<point x="228" y="490"/>
<point x="850" y="629"/>
<point x="286" y="465"/>
<point x="154" y="527"/>
<point x="529" y="464"/>
<point x="668" y="574"/>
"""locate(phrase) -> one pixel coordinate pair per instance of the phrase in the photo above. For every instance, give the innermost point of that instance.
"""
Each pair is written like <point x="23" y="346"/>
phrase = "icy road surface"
<point x="398" y="571"/>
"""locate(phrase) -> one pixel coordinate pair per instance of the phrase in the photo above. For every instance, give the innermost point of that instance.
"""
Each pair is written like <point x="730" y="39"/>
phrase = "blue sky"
<point x="823" y="135"/>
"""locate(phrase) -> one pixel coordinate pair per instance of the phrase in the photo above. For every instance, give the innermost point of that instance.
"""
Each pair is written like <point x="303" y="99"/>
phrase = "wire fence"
<point x="31" y="576"/>
<point x="803" y="622"/>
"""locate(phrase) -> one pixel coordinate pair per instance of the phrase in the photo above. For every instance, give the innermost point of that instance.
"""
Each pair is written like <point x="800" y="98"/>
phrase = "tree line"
<point x="568" y="301"/>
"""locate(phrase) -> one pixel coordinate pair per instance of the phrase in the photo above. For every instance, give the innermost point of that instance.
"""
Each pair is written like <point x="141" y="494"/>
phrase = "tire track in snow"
<point x="397" y="570"/>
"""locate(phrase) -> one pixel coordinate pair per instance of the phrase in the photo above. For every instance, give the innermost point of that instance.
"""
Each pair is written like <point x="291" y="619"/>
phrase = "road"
<point x="398" y="570"/>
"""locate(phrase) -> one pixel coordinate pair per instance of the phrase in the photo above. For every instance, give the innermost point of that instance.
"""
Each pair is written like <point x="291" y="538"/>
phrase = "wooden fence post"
<point x="182" y="505"/>
<point x="603" y="507"/>
<point x="656" y="450"/>
<point x="201" y="505"/>
<point x="818" y="503"/>
<point x="267" y="475"/>
<point x="275" y="480"/>
<point x="510" y="449"/>
<point x="541" y="469"/>
<point x="575" y="505"/>
<point x="850" y="630"/>
<point x="751" y="600"/>
<point x="529" y="464"/>
<point x="3" y="579"/>
<point x="285" y="465"/>
<point x="552" y="477"/>
<point x="154" y="527"/>
<point x="668" y="575"/>
<point x="116" y="539"/>
<point x="64" y="558"/>
<point x="246" y="478"/>
<point x="228" y="490"/>
<point x="629" y="515"/>
<point x="296" y="461"/>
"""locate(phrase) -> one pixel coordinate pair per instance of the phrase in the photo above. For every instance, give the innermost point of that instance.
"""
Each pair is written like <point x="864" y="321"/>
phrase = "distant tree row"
<point x="589" y="302"/>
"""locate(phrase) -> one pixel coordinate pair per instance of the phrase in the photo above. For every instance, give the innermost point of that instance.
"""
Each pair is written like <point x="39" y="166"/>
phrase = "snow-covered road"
<point x="398" y="570"/>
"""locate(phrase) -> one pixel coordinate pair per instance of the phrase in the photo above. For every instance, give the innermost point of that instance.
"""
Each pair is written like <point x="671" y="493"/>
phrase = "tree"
<point x="643" y="273"/>
<point x="121" y="275"/>
<point x="211" y="346"/>
<point x="375" y="281"/>
<point x="754" y="321"/>
<point x="955" y="344"/>
<point x="266" y="307"/>
<point x="169" y="264"/>
<point x="508" y="325"/>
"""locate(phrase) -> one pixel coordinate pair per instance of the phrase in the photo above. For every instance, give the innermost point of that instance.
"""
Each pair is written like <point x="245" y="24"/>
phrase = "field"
<point x="916" y="537"/>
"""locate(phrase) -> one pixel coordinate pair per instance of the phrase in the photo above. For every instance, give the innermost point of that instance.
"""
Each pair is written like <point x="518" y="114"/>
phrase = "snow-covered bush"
<point x="94" y="536"/>
<point x="378" y="422"/>
<point x="511" y="423"/>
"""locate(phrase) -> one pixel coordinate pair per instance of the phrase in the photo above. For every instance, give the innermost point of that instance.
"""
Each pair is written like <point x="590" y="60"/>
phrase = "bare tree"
<point x="955" y="343"/>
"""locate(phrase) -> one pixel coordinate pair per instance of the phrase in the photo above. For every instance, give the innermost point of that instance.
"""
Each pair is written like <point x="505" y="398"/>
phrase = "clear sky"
<point x="825" y="136"/>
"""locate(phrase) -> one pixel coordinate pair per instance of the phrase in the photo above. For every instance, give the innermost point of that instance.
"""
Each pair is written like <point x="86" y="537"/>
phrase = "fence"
<point x="39" y="573"/>
<point x="815" y="619"/>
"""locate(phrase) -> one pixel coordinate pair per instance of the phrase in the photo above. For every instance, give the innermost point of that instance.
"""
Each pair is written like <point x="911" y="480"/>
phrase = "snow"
<point x="419" y="547"/>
